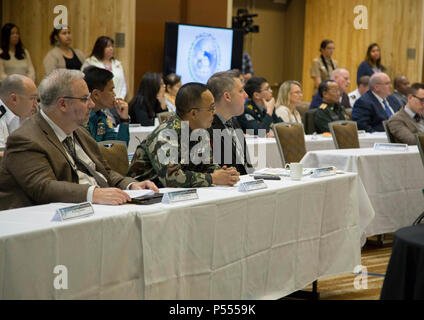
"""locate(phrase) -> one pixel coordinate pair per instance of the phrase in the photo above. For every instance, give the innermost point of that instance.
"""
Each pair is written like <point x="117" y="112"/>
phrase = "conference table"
<point x="394" y="181"/>
<point x="227" y="244"/>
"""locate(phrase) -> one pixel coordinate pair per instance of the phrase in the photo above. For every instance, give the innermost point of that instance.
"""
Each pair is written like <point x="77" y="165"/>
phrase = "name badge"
<point x="391" y="146"/>
<point x="76" y="211"/>
<point x="177" y="196"/>
<point x="252" y="185"/>
<point x="324" y="172"/>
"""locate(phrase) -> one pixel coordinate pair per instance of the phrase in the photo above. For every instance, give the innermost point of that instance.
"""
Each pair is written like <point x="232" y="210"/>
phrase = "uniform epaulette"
<point x="2" y="111"/>
<point x="323" y="106"/>
<point x="353" y="96"/>
<point x="250" y="107"/>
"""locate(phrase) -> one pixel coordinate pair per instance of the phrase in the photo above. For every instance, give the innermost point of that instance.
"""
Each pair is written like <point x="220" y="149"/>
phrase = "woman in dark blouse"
<point x="149" y="100"/>
<point x="372" y="62"/>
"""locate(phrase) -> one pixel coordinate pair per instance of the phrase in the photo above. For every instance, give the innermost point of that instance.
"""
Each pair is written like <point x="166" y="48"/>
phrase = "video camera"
<point x="243" y="20"/>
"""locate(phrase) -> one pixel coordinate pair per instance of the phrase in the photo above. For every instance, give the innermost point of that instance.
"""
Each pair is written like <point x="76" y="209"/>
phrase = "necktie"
<point x="417" y="117"/>
<point x="388" y="111"/>
<point x="69" y="145"/>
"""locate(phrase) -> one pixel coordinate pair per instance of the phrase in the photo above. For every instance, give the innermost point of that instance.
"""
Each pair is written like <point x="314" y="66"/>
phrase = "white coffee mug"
<point x="296" y="170"/>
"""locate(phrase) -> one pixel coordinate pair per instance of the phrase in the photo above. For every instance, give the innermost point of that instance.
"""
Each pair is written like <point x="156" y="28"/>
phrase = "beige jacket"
<point x="54" y="59"/>
<point x="36" y="170"/>
<point x="403" y="128"/>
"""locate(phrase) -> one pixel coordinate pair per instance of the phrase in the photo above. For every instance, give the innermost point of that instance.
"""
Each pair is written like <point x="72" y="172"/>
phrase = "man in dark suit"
<point x="376" y="105"/>
<point x="408" y="121"/>
<point x="51" y="158"/>
<point x="342" y="78"/>
<point x="227" y="139"/>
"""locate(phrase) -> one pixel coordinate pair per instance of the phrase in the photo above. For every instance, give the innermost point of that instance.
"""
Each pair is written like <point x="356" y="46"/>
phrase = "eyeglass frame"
<point x="83" y="100"/>
<point x="420" y="99"/>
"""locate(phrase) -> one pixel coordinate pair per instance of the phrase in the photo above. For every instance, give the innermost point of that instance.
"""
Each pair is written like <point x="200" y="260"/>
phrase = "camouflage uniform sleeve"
<point x="165" y="158"/>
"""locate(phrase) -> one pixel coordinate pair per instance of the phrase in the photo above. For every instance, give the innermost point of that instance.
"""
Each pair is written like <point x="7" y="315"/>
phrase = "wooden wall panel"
<point x="88" y="19"/>
<point x="395" y="25"/>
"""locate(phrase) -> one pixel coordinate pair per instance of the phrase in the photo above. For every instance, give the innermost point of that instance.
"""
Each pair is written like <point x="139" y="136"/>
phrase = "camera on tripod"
<point x="244" y="21"/>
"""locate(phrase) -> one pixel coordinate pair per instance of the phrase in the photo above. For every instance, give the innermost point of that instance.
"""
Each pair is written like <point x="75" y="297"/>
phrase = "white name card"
<point x="177" y="196"/>
<point x="76" y="211"/>
<point x="252" y="185"/>
<point x="324" y="172"/>
<point x="391" y="146"/>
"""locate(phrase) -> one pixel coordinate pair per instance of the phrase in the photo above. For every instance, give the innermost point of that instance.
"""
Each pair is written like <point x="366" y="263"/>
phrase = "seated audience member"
<point x="289" y="96"/>
<point x="323" y="66"/>
<point x="172" y="85"/>
<point x="259" y="110"/>
<point x="229" y="97"/>
<point x="51" y="158"/>
<point x="372" y="62"/>
<point x="18" y="96"/>
<point x="14" y="58"/>
<point x="102" y="56"/>
<point x="401" y="85"/>
<point x="330" y="109"/>
<point x="62" y="55"/>
<point x="408" y="121"/>
<point x="362" y="88"/>
<point x="376" y="105"/>
<point x="149" y="100"/>
<point x="100" y="84"/>
<point x="169" y="157"/>
<point x="342" y="78"/>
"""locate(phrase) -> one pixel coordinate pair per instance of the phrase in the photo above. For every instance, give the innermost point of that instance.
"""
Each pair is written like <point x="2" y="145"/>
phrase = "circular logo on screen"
<point x="204" y="57"/>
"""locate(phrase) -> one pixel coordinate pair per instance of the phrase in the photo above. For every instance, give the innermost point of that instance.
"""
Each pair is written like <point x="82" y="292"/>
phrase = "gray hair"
<point x="221" y="82"/>
<point x="57" y="84"/>
<point x="12" y="84"/>
<point x="375" y="79"/>
<point x="283" y="98"/>
<point x="337" y="72"/>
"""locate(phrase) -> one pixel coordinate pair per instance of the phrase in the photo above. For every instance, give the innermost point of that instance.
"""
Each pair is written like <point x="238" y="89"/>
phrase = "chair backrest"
<point x="302" y="108"/>
<point x="308" y="121"/>
<point x="345" y="134"/>
<point x="389" y="135"/>
<point x="290" y="139"/>
<point x="420" y="143"/>
<point x="116" y="155"/>
<point x="163" y="116"/>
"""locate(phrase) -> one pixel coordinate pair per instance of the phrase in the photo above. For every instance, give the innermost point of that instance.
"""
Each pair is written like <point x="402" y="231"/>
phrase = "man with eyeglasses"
<point x="259" y="111"/>
<point x="101" y="86"/>
<point x="376" y="105"/>
<point x="408" y="121"/>
<point x="51" y="158"/>
<point x="178" y="152"/>
<point x="330" y="109"/>
<point x="18" y="96"/>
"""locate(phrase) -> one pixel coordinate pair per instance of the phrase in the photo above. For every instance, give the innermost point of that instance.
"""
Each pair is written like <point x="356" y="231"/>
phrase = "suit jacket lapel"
<point x="379" y="108"/>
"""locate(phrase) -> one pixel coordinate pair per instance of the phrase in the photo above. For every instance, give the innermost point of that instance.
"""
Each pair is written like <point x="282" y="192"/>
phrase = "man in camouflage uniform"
<point x="100" y="126"/>
<point x="168" y="157"/>
<point x="330" y="110"/>
<point x="259" y="111"/>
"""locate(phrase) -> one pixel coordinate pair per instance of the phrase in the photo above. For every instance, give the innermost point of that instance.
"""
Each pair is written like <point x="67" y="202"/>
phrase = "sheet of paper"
<point x="139" y="193"/>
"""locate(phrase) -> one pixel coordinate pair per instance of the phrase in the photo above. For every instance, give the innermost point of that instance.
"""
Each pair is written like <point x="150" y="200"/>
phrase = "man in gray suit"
<point x="408" y="121"/>
<point x="51" y="158"/>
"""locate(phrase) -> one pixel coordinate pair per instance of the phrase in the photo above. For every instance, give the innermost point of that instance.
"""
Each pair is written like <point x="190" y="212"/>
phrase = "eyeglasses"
<point x="421" y="99"/>
<point x="83" y="99"/>
<point x="266" y="88"/>
<point x="212" y="108"/>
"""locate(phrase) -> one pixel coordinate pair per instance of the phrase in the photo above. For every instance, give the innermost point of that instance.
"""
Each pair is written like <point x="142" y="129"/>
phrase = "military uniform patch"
<point x="248" y="117"/>
<point x="250" y="107"/>
<point x="323" y="106"/>
<point x="101" y="130"/>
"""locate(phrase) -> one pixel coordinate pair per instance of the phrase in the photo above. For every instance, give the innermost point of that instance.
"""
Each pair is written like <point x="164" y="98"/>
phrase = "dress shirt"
<point x="9" y="122"/>
<point x="382" y="104"/>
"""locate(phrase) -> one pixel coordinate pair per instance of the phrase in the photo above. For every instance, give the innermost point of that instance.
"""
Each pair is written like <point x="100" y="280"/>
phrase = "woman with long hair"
<point x="149" y="100"/>
<point x="14" y="58"/>
<point x="289" y="96"/>
<point x="102" y="56"/>
<point x="372" y="62"/>
<point x="62" y="56"/>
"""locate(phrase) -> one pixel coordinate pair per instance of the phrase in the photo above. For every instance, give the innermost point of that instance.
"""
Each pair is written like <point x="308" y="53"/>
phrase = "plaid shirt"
<point x="246" y="66"/>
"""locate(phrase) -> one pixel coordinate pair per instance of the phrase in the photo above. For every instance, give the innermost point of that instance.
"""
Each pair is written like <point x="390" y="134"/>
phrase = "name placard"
<point x="324" y="172"/>
<point x="252" y="185"/>
<point x="391" y="146"/>
<point x="177" y="196"/>
<point x="76" y="211"/>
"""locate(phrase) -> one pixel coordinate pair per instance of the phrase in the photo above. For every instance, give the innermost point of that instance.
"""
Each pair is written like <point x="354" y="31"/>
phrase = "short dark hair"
<point x="99" y="47"/>
<point x="323" y="87"/>
<point x="56" y="32"/>
<point x="413" y="89"/>
<point x="188" y="97"/>
<point x="171" y="80"/>
<point x="364" y="80"/>
<point x="253" y="85"/>
<point x="221" y="82"/>
<point x="97" y="78"/>
<point x="325" y="43"/>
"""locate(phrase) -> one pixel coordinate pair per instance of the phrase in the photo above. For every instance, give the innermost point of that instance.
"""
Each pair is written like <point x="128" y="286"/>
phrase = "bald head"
<point x="342" y="78"/>
<point x="401" y="84"/>
<point x="380" y="84"/>
<point x="19" y="93"/>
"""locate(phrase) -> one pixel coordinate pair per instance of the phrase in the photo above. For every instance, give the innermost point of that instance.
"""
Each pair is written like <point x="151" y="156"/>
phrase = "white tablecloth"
<point x="258" y="147"/>
<point x="393" y="180"/>
<point x="226" y="245"/>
